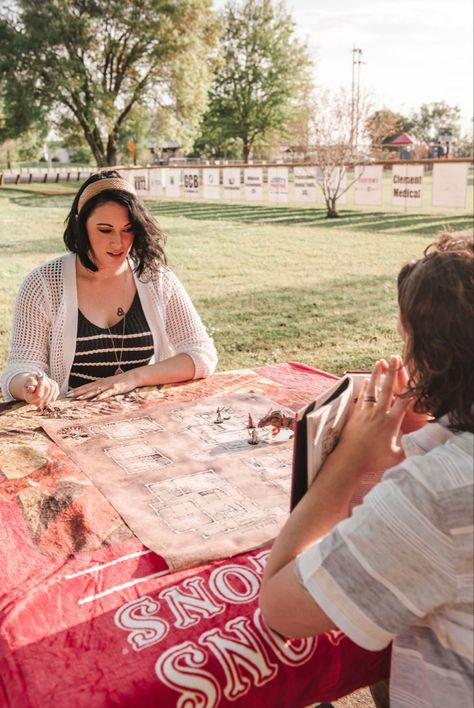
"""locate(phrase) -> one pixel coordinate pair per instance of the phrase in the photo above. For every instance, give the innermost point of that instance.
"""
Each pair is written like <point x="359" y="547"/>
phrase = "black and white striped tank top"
<point x="98" y="350"/>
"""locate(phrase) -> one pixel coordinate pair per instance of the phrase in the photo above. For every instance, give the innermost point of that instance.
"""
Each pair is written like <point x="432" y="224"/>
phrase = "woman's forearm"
<point x="177" y="368"/>
<point x="323" y="506"/>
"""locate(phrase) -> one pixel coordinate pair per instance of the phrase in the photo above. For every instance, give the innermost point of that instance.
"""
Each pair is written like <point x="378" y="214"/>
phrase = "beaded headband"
<point x="92" y="190"/>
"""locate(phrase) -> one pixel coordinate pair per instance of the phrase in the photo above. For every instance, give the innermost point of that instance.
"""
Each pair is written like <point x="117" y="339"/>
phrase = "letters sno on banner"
<point x="140" y="182"/>
<point x="278" y="184"/>
<point x="368" y="185"/>
<point x="253" y="184"/>
<point x="211" y="182"/>
<point x="304" y="184"/>
<point x="173" y="178"/>
<point x="191" y="183"/>
<point x="232" y="182"/>
<point x="155" y="181"/>
<point x="407" y="185"/>
<point x="449" y="184"/>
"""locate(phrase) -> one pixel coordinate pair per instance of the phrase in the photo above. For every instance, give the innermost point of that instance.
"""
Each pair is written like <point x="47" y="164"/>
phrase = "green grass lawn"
<point x="271" y="283"/>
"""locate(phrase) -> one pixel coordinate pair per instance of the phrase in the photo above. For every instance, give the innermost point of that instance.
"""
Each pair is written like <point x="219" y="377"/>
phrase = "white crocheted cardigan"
<point x="45" y="323"/>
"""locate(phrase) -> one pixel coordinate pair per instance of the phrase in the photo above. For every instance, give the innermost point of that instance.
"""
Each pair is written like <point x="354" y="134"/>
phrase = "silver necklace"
<point x="118" y="360"/>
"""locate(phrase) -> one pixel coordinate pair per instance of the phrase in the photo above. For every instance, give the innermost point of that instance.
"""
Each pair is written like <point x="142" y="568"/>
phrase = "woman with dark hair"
<point x="109" y="316"/>
<point x="400" y="567"/>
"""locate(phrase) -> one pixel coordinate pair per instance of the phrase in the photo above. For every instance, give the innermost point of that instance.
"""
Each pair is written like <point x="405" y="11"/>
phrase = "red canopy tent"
<point x="403" y="139"/>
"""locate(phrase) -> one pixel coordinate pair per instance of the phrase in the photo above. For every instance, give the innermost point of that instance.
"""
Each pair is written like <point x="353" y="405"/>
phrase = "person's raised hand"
<point x="371" y="434"/>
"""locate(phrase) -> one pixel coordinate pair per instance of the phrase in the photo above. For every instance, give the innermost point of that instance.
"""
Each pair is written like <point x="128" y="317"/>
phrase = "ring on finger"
<point x="370" y="399"/>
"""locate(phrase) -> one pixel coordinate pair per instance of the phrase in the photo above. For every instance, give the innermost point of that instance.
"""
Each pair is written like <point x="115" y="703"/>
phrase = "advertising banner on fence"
<point x="140" y="182"/>
<point x="278" y="184"/>
<point x="231" y="183"/>
<point x="407" y="185"/>
<point x="210" y="181"/>
<point x="304" y="184"/>
<point x="172" y="176"/>
<point x="253" y="184"/>
<point x="190" y="183"/>
<point x="449" y="184"/>
<point x="155" y="182"/>
<point x="368" y="185"/>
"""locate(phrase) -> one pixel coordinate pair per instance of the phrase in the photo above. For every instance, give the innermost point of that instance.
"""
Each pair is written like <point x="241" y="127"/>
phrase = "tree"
<point x="432" y="118"/>
<point x="256" y="83"/>
<point x="344" y="137"/>
<point x="385" y="117"/>
<point x="94" y="62"/>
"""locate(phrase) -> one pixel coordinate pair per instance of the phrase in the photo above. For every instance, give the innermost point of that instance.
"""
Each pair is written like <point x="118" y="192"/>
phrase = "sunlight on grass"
<point x="271" y="284"/>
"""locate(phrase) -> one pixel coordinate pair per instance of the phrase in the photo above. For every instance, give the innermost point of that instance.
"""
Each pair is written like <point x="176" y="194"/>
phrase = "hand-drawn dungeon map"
<point x="184" y="477"/>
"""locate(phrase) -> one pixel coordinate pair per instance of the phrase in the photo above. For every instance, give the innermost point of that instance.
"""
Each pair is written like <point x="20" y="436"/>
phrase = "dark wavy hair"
<point x="147" y="249"/>
<point x="435" y="297"/>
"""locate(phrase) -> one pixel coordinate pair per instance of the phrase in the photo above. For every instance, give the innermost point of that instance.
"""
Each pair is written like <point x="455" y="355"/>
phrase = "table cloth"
<point x="89" y="617"/>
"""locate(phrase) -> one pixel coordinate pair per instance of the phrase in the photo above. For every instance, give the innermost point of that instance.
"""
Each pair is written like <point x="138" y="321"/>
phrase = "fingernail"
<point x="393" y="361"/>
<point x="69" y="394"/>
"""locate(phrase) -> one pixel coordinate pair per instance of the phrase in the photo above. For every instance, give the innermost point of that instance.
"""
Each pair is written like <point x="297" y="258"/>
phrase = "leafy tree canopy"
<point x="383" y="117"/>
<point x="432" y="118"/>
<point x="94" y="62"/>
<point x="257" y="81"/>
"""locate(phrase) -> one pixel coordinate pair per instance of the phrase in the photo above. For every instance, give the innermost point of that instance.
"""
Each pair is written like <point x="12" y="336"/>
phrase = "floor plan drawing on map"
<point x="137" y="457"/>
<point x="204" y="503"/>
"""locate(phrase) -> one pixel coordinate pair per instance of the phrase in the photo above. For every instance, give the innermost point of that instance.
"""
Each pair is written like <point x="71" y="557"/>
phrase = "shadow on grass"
<point x="382" y="221"/>
<point x="44" y="197"/>
<point x="417" y="223"/>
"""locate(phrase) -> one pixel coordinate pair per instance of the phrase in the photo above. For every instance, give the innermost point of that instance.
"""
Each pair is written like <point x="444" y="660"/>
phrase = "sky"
<point x="414" y="51"/>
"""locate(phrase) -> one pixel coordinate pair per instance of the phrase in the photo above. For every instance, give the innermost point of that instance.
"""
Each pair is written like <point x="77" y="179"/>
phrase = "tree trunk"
<point x="331" y="212"/>
<point x="92" y="135"/>
<point x="246" y="151"/>
<point x="112" y="150"/>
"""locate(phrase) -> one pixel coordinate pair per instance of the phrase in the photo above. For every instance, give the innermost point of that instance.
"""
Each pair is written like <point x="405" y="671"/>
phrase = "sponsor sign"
<point x="232" y="183"/>
<point x="211" y="182"/>
<point x="304" y="184"/>
<point x="368" y="185"/>
<point x="278" y="184"/>
<point x="253" y="184"/>
<point x="407" y="185"/>
<point x="449" y="184"/>
<point x="155" y="182"/>
<point x="140" y="182"/>
<point x="191" y="183"/>
<point x="172" y="181"/>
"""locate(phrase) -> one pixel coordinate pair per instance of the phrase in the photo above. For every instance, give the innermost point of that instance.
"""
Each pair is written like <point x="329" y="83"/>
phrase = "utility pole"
<point x="355" y="95"/>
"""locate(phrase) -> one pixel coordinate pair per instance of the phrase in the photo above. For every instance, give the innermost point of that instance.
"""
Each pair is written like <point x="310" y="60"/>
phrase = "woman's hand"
<point x="35" y="388"/>
<point x="106" y="388"/>
<point x="370" y="437"/>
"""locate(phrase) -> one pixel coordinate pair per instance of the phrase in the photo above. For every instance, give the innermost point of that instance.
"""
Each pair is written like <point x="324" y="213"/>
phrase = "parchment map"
<point x="193" y="481"/>
<point x="205" y="503"/>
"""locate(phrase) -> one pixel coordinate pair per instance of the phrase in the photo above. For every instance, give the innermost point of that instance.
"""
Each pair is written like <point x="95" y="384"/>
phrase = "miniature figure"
<point x="278" y="420"/>
<point x="250" y="423"/>
<point x="219" y="418"/>
<point x="253" y="436"/>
